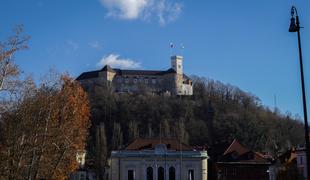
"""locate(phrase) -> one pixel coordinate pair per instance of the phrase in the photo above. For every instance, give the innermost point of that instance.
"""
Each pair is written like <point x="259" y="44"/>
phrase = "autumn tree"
<point x="43" y="133"/>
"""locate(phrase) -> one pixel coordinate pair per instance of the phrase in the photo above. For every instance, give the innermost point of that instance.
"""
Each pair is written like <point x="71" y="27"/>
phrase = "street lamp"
<point x="295" y="27"/>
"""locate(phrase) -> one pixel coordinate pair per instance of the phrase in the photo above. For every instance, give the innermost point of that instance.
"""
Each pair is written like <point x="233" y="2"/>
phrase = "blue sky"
<point x="241" y="42"/>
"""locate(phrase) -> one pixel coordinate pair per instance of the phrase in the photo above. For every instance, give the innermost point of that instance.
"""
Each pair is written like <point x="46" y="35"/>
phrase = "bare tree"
<point x="8" y="69"/>
<point x="101" y="149"/>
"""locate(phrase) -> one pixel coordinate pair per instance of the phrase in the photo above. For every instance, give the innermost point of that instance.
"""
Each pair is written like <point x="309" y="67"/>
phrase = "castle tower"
<point x="177" y="64"/>
<point x="107" y="73"/>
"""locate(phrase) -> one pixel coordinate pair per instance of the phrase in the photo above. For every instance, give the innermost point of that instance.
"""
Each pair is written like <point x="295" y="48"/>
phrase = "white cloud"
<point x="125" y="9"/>
<point x="168" y="11"/>
<point x="96" y="45"/>
<point x="115" y="61"/>
<point x="164" y="11"/>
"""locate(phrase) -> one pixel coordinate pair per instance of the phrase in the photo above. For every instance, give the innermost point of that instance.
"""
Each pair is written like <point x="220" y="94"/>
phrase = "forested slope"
<point x="216" y="111"/>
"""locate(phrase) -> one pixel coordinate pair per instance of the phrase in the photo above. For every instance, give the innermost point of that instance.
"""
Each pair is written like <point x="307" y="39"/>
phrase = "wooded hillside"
<point x="237" y="114"/>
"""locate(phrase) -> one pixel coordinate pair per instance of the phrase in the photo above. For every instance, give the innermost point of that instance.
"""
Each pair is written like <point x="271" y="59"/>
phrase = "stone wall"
<point x="136" y="83"/>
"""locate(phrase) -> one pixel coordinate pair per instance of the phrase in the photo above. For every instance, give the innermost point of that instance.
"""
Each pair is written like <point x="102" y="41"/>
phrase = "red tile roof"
<point x="237" y="152"/>
<point x="237" y="147"/>
<point x="150" y="143"/>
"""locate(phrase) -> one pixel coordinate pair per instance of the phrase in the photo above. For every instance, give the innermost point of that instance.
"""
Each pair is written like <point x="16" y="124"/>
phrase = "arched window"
<point x="149" y="173"/>
<point x="171" y="173"/>
<point x="161" y="173"/>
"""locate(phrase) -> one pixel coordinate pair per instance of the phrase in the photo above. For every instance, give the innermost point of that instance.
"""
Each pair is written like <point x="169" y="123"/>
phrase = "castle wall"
<point x="136" y="83"/>
<point x="179" y="84"/>
<point x="187" y="89"/>
<point x="169" y="83"/>
<point x="173" y="83"/>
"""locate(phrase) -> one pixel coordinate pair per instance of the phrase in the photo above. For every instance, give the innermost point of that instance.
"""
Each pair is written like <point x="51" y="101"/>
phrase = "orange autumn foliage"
<point x="41" y="136"/>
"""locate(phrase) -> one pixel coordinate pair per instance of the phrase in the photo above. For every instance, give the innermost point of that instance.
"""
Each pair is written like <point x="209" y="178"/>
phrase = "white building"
<point x="154" y="159"/>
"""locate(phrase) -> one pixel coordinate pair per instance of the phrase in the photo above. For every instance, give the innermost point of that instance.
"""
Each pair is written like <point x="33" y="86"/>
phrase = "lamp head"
<point x="293" y="26"/>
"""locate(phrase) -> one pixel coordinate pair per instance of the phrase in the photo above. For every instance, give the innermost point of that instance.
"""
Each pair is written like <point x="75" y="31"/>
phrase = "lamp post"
<point x="295" y="27"/>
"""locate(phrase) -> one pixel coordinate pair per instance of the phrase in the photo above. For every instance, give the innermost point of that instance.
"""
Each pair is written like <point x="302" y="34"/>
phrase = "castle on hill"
<point x="172" y="81"/>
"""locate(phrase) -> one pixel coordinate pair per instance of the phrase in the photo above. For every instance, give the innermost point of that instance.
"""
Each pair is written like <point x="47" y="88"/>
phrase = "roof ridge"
<point x="226" y="151"/>
<point x="238" y="143"/>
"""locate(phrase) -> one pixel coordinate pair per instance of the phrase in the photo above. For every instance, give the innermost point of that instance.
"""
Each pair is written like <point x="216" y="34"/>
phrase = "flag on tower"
<point x="171" y="45"/>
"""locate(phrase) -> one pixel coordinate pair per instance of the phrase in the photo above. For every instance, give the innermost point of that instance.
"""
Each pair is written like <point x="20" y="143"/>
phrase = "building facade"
<point x="172" y="81"/>
<point x="154" y="159"/>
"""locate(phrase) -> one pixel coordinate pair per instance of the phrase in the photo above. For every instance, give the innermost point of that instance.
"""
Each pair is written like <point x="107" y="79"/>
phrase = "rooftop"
<point x="150" y="143"/>
<point x="124" y="72"/>
<point x="237" y="153"/>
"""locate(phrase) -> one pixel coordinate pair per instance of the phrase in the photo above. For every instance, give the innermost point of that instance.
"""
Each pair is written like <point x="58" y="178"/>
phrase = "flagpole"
<point x="182" y="49"/>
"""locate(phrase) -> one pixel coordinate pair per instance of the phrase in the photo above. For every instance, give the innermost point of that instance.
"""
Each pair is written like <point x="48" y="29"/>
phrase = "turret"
<point x="107" y="73"/>
<point x="177" y="64"/>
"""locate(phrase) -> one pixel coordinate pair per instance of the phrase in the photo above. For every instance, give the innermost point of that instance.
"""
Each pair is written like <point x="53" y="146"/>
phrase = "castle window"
<point x="146" y="81"/>
<point x="135" y="80"/>
<point x="154" y="81"/>
<point x="127" y="80"/>
<point x="179" y="66"/>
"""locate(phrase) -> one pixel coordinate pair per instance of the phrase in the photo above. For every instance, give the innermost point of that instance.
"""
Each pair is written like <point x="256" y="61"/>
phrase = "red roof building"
<point x="239" y="163"/>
